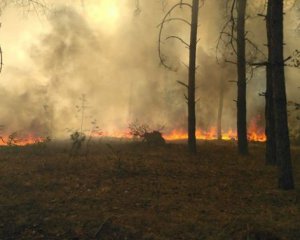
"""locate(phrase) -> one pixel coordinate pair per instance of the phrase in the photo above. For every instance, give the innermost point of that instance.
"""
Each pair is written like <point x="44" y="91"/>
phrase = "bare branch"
<point x="232" y="62"/>
<point x="293" y="60"/>
<point x="230" y="23"/>
<point x="165" y="20"/>
<point x="186" y="98"/>
<point x="255" y="47"/>
<point x="183" y="84"/>
<point x="175" y="19"/>
<point x="180" y="39"/>
<point x="186" y="65"/>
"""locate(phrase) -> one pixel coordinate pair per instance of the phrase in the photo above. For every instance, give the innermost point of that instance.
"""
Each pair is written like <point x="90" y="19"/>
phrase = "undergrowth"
<point x="135" y="191"/>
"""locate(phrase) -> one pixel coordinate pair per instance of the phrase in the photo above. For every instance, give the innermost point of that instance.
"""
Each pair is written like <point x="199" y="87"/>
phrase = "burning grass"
<point x="253" y="136"/>
<point x="140" y="192"/>
<point x="15" y="140"/>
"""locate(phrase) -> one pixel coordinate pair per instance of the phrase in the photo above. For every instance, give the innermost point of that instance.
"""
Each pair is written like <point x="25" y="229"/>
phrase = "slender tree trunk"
<point x="269" y="113"/>
<point x="283" y="155"/>
<point x="242" y="83"/>
<point x="192" y="78"/>
<point x="220" y="109"/>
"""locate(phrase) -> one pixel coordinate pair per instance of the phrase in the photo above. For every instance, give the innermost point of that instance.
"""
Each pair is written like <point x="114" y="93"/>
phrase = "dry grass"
<point x="132" y="191"/>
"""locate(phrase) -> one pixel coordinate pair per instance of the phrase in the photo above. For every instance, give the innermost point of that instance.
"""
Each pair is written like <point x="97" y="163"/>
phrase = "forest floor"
<point x="136" y="192"/>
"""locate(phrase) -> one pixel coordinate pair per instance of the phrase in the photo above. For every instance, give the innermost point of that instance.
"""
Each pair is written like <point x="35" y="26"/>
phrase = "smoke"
<point x="116" y="67"/>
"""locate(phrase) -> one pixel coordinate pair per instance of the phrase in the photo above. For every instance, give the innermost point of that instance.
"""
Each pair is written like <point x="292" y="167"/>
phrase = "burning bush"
<point x="143" y="131"/>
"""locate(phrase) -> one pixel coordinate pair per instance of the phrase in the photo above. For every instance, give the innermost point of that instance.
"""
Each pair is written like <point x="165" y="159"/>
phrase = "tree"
<point x="283" y="155"/>
<point x="192" y="79"/>
<point x="242" y="81"/>
<point x="191" y="86"/>
<point x="269" y="113"/>
<point x="291" y="61"/>
<point x="220" y="105"/>
<point x="233" y="36"/>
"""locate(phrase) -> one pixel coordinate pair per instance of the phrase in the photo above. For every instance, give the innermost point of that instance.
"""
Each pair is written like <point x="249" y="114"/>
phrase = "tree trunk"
<point x="220" y="109"/>
<point x="242" y="83"/>
<point x="283" y="155"/>
<point x="269" y="113"/>
<point x="192" y="78"/>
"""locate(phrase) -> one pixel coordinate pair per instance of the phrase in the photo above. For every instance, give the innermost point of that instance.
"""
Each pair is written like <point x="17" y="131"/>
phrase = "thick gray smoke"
<point x="121" y="77"/>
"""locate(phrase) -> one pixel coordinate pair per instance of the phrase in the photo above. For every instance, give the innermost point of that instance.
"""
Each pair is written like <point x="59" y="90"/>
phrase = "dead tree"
<point x="270" y="153"/>
<point x="291" y="61"/>
<point x="192" y="78"/>
<point x="269" y="113"/>
<point x="192" y="46"/>
<point x="242" y="80"/>
<point x="220" y="109"/>
<point x="233" y="36"/>
<point x="277" y="62"/>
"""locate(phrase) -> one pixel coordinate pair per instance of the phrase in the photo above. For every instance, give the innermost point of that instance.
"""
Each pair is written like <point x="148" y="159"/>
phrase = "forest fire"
<point x="131" y="119"/>
<point x="15" y="140"/>
<point x="255" y="135"/>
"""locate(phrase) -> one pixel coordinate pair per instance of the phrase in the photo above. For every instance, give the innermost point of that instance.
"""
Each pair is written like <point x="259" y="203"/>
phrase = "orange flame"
<point x="21" y="141"/>
<point x="201" y="135"/>
<point x="255" y="136"/>
<point x="255" y="133"/>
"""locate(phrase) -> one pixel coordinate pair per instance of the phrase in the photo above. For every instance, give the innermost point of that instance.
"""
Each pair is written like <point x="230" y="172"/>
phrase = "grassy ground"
<point x="131" y="191"/>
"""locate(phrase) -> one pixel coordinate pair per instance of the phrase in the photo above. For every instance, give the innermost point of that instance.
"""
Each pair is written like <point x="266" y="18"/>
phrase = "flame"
<point x="255" y="133"/>
<point x="29" y="139"/>
<point x="211" y="134"/>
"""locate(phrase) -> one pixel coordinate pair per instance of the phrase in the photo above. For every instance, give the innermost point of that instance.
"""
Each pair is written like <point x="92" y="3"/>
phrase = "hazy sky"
<point x="106" y="51"/>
